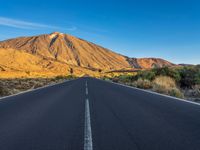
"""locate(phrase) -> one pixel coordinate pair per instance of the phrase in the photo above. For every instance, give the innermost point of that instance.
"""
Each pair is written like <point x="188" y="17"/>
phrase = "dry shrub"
<point x="13" y="86"/>
<point x="38" y="85"/>
<point x="165" y="81"/>
<point x="176" y="93"/>
<point x="4" y="91"/>
<point x="143" y="83"/>
<point x="1" y="90"/>
<point x="194" y="92"/>
<point x="197" y="89"/>
<point x="166" y="85"/>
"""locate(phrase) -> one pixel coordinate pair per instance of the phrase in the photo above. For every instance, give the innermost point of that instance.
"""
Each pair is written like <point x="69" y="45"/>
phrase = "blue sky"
<point x="168" y="29"/>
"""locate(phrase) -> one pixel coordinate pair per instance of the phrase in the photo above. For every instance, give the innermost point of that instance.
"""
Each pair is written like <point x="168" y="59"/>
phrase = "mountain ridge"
<point x="76" y="52"/>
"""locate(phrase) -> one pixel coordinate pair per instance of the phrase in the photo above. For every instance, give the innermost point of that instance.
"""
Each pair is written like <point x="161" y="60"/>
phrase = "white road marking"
<point x="86" y="91"/>
<point x="87" y="130"/>
<point x="155" y="93"/>
<point x="86" y="83"/>
<point x="86" y="88"/>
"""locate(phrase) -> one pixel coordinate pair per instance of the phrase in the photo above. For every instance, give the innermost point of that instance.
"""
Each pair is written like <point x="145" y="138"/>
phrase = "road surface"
<point x="90" y="114"/>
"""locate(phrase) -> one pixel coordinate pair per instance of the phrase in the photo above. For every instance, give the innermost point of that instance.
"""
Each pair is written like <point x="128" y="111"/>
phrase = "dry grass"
<point x="143" y="83"/>
<point x="13" y="86"/>
<point x="166" y="85"/>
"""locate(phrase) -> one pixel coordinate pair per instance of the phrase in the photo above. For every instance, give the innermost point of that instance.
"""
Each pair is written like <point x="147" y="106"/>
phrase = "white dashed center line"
<point x="87" y="130"/>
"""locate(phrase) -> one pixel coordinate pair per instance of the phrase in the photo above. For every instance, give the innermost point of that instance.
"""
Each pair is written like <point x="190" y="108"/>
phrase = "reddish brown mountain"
<point x="148" y="63"/>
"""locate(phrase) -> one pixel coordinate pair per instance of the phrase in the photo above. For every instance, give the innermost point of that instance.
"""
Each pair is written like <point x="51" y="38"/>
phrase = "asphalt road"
<point x="90" y="114"/>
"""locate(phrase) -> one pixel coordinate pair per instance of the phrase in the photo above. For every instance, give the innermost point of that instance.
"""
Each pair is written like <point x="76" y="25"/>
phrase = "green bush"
<point x="190" y="76"/>
<point x="108" y="79"/>
<point x="152" y="74"/>
<point x="125" y="78"/>
<point x="148" y="75"/>
<point x="197" y="78"/>
<point x="171" y="72"/>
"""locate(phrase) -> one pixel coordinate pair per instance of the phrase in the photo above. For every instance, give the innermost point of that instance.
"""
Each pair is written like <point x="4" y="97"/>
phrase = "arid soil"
<point x="14" y="86"/>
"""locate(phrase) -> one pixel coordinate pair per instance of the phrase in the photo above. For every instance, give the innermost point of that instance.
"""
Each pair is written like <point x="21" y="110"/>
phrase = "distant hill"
<point x="187" y="65"/>
<point x="57" y="53"/>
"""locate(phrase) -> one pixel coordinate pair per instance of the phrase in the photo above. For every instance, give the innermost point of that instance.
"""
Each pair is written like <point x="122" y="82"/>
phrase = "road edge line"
<point x="32" y="90"/>
<point x="152" y="92"/>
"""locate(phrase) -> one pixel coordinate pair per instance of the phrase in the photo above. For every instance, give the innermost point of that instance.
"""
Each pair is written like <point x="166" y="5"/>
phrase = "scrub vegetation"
<point x="17" y="85"/>
<point x="181" y="82"/>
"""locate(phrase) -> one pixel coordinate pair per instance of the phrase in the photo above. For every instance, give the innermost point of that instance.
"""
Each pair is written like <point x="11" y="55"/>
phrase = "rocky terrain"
<point x="61" y="54"/>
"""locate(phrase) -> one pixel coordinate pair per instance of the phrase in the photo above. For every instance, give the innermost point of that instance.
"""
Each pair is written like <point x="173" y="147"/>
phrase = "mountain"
<point x="58" y="52"/>
<point x="68" y="49"/>
<point x="148" y="63"/>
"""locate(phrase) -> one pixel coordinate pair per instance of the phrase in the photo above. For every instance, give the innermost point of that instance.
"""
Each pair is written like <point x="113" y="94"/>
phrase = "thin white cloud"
<point x="28" y="25"/>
